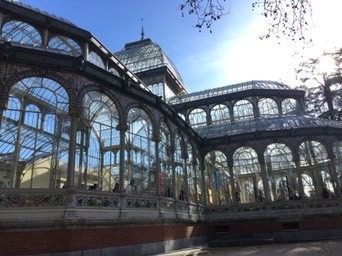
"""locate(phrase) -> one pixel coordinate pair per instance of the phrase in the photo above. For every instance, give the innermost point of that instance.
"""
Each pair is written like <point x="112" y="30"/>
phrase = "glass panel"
<point x="243" y="110"/>
<point x="140" y="171"/>
<point x="94" y="58"/>
<point x="220" y="114"/>
<point x="20" y="32"/>
<point x="65" y="45"/>
<point x="289" y="106"/>
<point x="218" y="181"/>
<point x="281" y="172"/>
<point x="197" y="117"/>
<point x="180" y="178"/>
<point x="316" y="169"/>
<point x="98" y="144"/>
<point x="30" y="144"/>
<point x="165" y="161"/>
<point x="249" y="187"/>
<point x="268" y="107"/>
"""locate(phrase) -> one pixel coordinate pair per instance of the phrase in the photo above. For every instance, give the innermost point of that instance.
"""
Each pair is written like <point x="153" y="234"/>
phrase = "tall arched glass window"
<point x="97" y="137"/>
<point x="247" y="176"/>
<point x="338" y="159"/>
<point x="165" y="179"/>
<point x="197" y="117"/>
<point x="21" y="32"/>
<point x="141" y="149"/>
<point x="281" y="172"/>
<point x="199" y="183"/>
<point x="191" y="173"/>
<point x="220" y="114"/>
<point x="180" y="179"/>
<point x="268" y="107"/>
<point x="65" y="45"/>
<point x="218" y="179"/>
<point x="243" y="109"/>
<point x="316" y="166"/>
<point x="37" y="153"/>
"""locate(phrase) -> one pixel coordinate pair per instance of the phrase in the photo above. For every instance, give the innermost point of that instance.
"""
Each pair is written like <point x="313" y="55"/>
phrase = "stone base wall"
<point x="115" y="240"/>
<point x="290" y="230"/>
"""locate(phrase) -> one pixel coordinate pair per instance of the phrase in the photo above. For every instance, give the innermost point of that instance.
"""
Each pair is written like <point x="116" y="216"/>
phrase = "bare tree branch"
<point x="206" y="11"/>
<point x="289" y="18"/>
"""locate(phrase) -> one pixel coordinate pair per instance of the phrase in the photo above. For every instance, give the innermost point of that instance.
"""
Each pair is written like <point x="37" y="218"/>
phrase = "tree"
<point x="322" y="82"/>
<point x="285" y="17"/>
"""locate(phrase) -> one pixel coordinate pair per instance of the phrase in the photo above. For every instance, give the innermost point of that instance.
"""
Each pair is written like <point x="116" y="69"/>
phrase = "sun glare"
<point x="326" y="64"/>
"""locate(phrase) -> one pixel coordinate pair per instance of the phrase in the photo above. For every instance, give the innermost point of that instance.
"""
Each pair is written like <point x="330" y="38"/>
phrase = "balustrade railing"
<point x="96" y="204"/>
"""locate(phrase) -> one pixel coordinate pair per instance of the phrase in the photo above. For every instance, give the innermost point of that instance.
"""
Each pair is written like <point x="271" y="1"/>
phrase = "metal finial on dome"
<point x="142" y="29"/>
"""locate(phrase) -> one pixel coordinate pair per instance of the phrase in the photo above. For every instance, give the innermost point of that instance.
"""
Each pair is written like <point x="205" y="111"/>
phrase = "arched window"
<point x="141" y="163"/>
<point x="338" y="159"/>
<point x="32" y="116"/>
<point x="220" y="114"/>
<point x="65" y="45"/>
<point x="268" y="107"/>
<point x="191" y="173"/>
<point x="243" y="110"/>
<point x="316" y="166"/>
<point x="165" y="179"/>
<point x="197" y="117"/>
<point x="180" y="188"/>
<point x="38" y="155"/>
<point x="97" y="138"/>
<point x="218" y="178"/>
<point x="21" y="32"/>
<point x="281" y="172"/>
<point x="114" y="71"/>
<point x="289" y="106"/>
<point x="94" y="58"/>
<point x="248" y="180"/>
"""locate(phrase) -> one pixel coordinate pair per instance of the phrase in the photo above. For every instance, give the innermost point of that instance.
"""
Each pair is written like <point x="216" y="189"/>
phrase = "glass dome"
<point x="145" y="55"/>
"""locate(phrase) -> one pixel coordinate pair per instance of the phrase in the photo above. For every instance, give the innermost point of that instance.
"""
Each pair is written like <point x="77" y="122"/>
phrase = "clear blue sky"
<point x="231" y="54"/>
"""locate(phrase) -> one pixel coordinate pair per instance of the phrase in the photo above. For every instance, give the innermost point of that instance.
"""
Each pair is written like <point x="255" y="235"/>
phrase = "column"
<point x="300" y="181"/>
<point x="264" y="177"/>
<point x="332" y="165"/>
<point x="74" y="115"/>
<point x="122" y="128"/>
<point x="232" y="182"/>
<point x="157" y="166"/>
<point x="202" y="168"/>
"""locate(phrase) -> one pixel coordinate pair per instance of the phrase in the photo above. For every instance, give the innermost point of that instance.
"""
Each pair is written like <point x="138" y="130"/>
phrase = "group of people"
<point x="131" y="188"/>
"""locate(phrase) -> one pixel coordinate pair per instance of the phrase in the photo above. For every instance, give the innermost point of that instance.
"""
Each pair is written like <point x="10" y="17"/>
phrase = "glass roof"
<point x="254" y="84"/>
<point x="145" y="55"/>
<point x="37" y="10"/>
<point x="264" y="124"/>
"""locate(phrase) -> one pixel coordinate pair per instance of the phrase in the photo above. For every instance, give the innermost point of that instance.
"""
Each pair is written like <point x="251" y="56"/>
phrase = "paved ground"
<point x="322" y="248"/>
